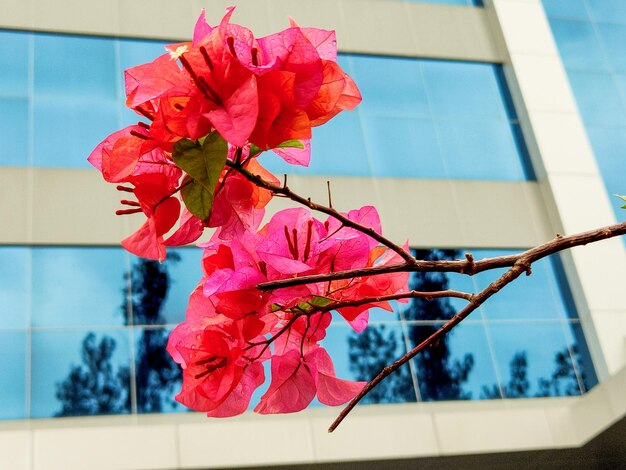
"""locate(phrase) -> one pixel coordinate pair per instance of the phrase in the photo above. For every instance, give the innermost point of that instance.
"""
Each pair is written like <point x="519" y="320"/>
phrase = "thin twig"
<point x="286" y="192"/>
<point x="413" y="294"/>
<point x="464" y="266"/>
<point x="521" y="265"/>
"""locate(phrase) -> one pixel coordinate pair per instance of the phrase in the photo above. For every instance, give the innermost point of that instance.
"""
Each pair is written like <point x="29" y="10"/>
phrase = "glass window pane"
<point x="608" y="11"/>
<point x="79" y="373"/>
<point x="161" y="290"/>
<point x="79" y="286"/>
<point x="462" y="89"/>
<point x="157" y="377"/>
<point x="533" y="359"/>
<point x="613" y="39"/>
<point x="403" y="147"/>
<point x="390" y="86"/>
<point x="337" y="148"/>
<point x="487" y="148"/>
<point x="458" y="367"/>
<point x="609" y="146"/>
<point x="14" y="59"/>
<point x="13" y="375"/>
<point x="537" y="296"/>
<point x="76" y="66"/>
<point x="14" y="133"/>
<point x="598" y="99"/>
<point x="68" y="129"/>
<point x="585" y="370"/>
<point x="360" y="356"/>
<point x="14" y="287"/>
<point x="574" y="9"/>
<point x="578" y="45"/>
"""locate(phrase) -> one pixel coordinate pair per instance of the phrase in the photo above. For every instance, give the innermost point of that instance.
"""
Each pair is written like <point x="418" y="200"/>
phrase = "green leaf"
<point x="197" y="198"/>
<point x="203" y="164"/>
<point x="296" y="144"/>
<point x="318" y="301"/>
<point x="254" y="150"/>
<point x="276" y="307"/>
<point x="623" y="198"/>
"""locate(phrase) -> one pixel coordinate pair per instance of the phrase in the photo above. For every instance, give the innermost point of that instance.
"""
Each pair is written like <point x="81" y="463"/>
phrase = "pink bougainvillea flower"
<point x="154" y="193"/>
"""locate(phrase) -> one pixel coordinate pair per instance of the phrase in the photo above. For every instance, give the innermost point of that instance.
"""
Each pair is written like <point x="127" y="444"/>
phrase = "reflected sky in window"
<point x="420" y="118"/>
<point x="79" y="331"/>
<point x="591" y="38"/>
<point x="14" y="287"/>
<point x="13" y="391"/>
<point x="80" y="372"/>
<point x="78" y="286"/>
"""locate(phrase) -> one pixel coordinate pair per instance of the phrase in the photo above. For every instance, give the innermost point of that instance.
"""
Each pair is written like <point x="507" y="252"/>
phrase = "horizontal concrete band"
<point x="75" y="206"/>
<point x="363" y="26"/>
<point x="372" y="432"/>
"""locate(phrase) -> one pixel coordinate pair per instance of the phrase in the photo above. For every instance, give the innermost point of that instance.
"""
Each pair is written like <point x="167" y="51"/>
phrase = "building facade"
<point x="484" y="128"/>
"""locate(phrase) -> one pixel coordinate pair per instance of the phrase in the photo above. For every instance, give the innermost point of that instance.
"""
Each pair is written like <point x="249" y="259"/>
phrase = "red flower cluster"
<point x="231" y="324"/>
<point x="262" y="93"/>
<point x="212" y="106"/>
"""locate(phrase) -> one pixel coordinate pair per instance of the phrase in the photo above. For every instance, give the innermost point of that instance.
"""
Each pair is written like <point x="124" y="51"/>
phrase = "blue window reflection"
<point x="66" y="130"/>
<point x="14" y="287"/>
<point x="13" y="390"/>
<point x="157" y="377"/>
<point x="592" y="50"/>
<point x="405" y="147"/>
<point x="76" y="66"/>
<point x="14" y="62"/>
<point x="579" y="45"/>
<point x="571" y="9"/>
<point x="79" y="286"/>
<point x="14" y="131"/>
<point x="458" y="367"/>
<point x="463" y="89"/>
<point x="608" y="11"/>
<point x="529" y="367"/>
<point x="160" y="291"/>
<point x="80" y="372"/>
<point x="374" y="76"/>
<point x="538" y="296"/>
<point x="361" y="356"/>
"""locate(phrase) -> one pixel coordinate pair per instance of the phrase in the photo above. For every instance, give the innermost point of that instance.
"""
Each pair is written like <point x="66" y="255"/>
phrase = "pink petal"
<point x="239" y="399"/>
<point x="237" y="118"/>
<point x="292" y="387"/>
<point x="331" y="391"/>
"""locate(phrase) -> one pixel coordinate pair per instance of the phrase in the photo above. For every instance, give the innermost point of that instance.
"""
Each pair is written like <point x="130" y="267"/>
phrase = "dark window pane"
<point x="458" y="367"/>
<point x="538" y="296"/>
<point x="79" y="373"/>
<point x="534" y="359"/>
<point x="158" y="378"/>
<point x="361" y="356"/>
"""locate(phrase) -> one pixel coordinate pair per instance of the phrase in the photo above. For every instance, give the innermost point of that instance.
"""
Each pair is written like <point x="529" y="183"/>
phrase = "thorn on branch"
<point x="284" y="180"/>
<point x="470" y="268"/>
<point x="330" y="199"/>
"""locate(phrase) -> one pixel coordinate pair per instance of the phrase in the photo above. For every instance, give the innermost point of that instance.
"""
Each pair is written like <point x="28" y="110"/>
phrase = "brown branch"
<point x="521" y="265"/>
<point x="413" y="294"/>
<point x="288" y="193"/>
<point x="465" y="266"/>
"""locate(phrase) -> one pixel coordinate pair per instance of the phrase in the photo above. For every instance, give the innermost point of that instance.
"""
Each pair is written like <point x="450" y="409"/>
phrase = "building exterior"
<point x="484" y="128"/>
